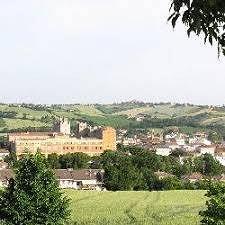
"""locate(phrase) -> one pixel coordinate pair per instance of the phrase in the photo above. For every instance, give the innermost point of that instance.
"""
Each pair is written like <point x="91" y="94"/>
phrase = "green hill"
<point x="123" y="115"/>
<point x="137" y="208"/>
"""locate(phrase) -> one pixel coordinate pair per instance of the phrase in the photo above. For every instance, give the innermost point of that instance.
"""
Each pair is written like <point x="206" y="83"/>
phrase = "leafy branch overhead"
<point x="202" y="17"/>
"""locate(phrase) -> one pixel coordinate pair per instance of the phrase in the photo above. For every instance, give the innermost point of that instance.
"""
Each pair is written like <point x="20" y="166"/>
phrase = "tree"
<point x="215" y="137"/>
<point x="33" y="196"/>
<point x="207" y="165"/>
<point x="178" y="152"/>
<point x="205" y="17"/>
<point x="11" y="158"/>
<point x="120" y="173"/>
<point x="77" y="160"/>
<point x="53" y="160"/>
<point x="215" y="207"/>
<point x="171" y="183"/>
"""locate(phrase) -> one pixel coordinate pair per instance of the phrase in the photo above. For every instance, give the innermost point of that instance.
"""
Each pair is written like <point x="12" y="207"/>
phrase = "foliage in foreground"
<point x="33" y="196"/>
<point x="202" y="17"/>
<point x="215" y="212"/>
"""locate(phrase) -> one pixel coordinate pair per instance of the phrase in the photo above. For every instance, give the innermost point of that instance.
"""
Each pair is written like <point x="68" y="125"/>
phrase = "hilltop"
<point x="129" y="115"/>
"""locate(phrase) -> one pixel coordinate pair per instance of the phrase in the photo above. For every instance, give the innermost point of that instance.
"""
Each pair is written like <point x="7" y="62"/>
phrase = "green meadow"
<point x="137" y="208"/>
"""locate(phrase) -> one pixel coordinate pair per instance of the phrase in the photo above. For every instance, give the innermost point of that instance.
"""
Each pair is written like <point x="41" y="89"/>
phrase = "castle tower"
<point x="109" y="138"/>
<point x="62" y="126"/>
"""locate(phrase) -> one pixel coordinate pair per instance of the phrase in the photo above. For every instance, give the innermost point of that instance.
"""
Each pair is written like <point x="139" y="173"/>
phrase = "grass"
<point x="115" y="115"/>
<point x="21" y="111"/>
<point x="20" y="123"/>
<point x="137" y="208"/>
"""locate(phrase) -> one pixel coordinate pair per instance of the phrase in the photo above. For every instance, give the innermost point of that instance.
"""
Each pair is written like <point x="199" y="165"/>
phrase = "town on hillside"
<point x="94" y="141"/>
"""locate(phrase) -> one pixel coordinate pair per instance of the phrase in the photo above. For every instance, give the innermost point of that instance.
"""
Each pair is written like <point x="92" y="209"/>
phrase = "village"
<point x="93" y="141"/>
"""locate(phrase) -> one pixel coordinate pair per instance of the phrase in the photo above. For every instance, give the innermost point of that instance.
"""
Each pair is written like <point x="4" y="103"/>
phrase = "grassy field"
<point x="137" y="208"/>
<point x="116" y="115"/>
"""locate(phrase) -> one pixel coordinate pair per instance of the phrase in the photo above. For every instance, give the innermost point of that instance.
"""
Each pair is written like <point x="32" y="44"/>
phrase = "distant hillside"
<point x="15" y="117"/>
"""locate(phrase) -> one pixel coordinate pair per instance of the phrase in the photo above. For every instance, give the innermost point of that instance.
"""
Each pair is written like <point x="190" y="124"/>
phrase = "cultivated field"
<point x="137" y="208"/>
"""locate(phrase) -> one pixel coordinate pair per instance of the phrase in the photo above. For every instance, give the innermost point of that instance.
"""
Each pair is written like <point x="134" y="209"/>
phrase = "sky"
<point x="103" y="51"/>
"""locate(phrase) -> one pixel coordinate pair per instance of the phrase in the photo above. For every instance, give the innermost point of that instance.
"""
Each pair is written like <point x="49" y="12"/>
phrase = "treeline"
<point x="8" y="114"/>
<point x="28" y="129"/>
<point x="132" y="168"/>
<point x="76" y="160"/>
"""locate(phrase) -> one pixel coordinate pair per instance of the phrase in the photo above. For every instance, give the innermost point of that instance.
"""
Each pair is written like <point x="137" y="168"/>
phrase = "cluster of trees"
<point x="76" y="160"/>
<point x="2" y="123"/>
<point x="133" y="168"/>
<point x="8" y="114"/>
<point x="48" y="118"/>
<point x="37" y="107"/>
<point x="28" y="129"/>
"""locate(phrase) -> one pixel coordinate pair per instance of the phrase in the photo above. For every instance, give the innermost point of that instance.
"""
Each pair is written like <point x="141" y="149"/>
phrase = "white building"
<point x="5" y="175"/>
<point x="207" y="150"/>
<point x="163" y="151"/>
<point x="3" y="153"/>
<point x="221" y="159"/>
<point x="202" y="141"/>
<point x="85" y="179"/>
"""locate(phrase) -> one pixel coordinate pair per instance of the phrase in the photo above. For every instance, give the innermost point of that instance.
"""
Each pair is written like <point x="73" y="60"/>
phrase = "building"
<point x="3" y="165"/>
<point x="207" y="149"/>
<point x="161" y="175"/>
<point x="163" y="151"/>
<point x="193" y="177"/>
<point x="3" y="153"/>
<point x="61" y="142"/>
<point x="85" y="179"/>
<point x="62" y="126"/>
<point x="5" y="176"/>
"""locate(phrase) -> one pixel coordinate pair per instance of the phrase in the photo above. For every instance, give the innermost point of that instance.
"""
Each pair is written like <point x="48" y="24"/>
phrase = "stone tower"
<point x="62" y="126"/>
<point x="109" y="138"/>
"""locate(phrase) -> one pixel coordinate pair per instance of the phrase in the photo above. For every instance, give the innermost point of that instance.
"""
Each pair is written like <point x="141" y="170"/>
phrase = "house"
<point x="3" y="165"/>
<point x="198" y="140"/>
<point x="129" y="141"/>
<point x="5" y="176"/>
<point x="85" y="179"/>
<point x="161" y="175"/>
<point x="3" y="153"/>
<point x="220" y="154"/>
<point x="163" y="151"/>
<point x="207" y="149"/>
<point x="193" y="177"/>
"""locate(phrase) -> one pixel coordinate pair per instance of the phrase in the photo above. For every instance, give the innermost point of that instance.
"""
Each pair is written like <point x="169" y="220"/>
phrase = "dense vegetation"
<point x="132" y="168"/>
